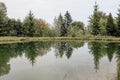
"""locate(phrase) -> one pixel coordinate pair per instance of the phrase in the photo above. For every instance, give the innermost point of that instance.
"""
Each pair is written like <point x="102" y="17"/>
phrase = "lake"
<point x="70" y="60"/>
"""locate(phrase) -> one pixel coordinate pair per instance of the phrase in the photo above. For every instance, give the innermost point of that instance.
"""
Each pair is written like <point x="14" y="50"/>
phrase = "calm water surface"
<point x="60" y="61"/>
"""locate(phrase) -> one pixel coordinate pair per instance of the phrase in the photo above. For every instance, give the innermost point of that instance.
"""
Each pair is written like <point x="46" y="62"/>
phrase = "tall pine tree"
<point x="19" y="28"/>
<point x="95" y="22"/>
<point x="67" y="19"/>
<point x="58" y="24"/>
<point x="118" y="23"/>
<point x="61" y="26"/>
<point x="110" y="26"/>
<point x="67" y="22"/>
<point x="3" y="11"/>
<point x="29" y="24"/>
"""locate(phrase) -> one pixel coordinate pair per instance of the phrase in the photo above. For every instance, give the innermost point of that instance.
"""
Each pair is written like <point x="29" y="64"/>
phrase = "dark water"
<point x="60" y="61"/>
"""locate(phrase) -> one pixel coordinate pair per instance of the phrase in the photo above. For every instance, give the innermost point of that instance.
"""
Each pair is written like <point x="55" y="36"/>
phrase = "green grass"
<point x="28" y="39"/>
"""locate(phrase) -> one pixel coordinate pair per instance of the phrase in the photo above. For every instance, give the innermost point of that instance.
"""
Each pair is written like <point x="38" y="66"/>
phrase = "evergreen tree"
<point x="60" y="27"/>
<point x="10" y="28"/>
<point x="19" y="28"/>
<point x="110" y="26"/>
<point x="67" y="21"/>
<point x="2" y="18"/>
<point x="63" y="30"/>
<point x="29" y="24"/>
<point x="101" y="23"/>
<point x="58" y="23"/>
<point x="95" y="22"/>
<point x="118" y="23"/>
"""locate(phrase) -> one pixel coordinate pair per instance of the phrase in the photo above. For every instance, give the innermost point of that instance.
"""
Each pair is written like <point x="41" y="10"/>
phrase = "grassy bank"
<point x="28" y="39"/>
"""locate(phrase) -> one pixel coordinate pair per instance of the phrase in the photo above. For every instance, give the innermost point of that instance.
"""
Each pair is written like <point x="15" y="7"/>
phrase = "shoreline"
<point x="33" y="39"/>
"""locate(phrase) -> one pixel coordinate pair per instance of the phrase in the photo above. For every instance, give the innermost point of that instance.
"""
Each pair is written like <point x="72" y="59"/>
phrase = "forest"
<point x="99" y="24"/>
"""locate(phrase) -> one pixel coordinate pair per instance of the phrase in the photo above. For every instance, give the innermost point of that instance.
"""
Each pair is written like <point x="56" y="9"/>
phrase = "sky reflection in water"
<point x="60" y="61"/>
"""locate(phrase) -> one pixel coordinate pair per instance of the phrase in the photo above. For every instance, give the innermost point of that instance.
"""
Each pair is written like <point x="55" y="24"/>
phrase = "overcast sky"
<point x="48" y="9"/>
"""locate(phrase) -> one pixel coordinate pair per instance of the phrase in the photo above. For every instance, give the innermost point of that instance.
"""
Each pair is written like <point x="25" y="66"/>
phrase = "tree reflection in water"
<point x="100" y="49"/>
<point x="32" y="50"/>
<point x="66" y="48"/>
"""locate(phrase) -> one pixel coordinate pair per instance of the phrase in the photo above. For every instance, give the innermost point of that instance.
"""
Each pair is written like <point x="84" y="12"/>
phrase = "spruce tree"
<point x="61" y="26"/>
<point x="2" y="19"/>
<point x="67" y="22"/>
<point x="58" y="23"/>
<point x="67" y="19"/>
<point x="110" y="26"/>
<point x="118" y="23"/>
<point x="10" y="27"/>
<point x="95" y="22"/>
<point x="19" y="28"/>
<point x="29" y="24"/>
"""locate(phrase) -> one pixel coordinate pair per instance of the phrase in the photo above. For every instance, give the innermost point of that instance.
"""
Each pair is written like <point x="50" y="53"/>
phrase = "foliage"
<point x="29" y="24"/>
<point x="118" y="23"/>
<point x="61" y="26"/>
<point x="50" y="32"/>
<point x="95" y="21"/>
<point x="41" y="27"/>
<point x="19" y="29"/>
<point x="63" y="23"/>
<point x="67" y="19"/>
<point x="3" y="11"/>
<point x="76" y="29"/>
<point x="110" y="26"/>
<point x="78" y="24"/>
<point x="100" y="24"/>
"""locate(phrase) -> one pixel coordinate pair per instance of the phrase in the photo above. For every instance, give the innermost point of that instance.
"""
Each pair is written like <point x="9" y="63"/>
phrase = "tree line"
<point x="99" y="24"/>
<point x="104" y="25"/>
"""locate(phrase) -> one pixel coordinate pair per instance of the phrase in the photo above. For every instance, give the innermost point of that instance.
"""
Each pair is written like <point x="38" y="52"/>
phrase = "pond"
<point x="71" y="60"/>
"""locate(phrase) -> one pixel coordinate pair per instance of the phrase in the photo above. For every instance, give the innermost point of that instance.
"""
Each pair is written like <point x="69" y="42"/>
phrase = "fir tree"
<point x="118" y="23"/>
<point x="67" y="22"/>
<point x="29" y="24"/>
<point x="95" y="22"/>
<point x="61" y="26"/>
<point x="67" y="19"/>
<point x="110" y="26"/>
<point x="2" y="18"/>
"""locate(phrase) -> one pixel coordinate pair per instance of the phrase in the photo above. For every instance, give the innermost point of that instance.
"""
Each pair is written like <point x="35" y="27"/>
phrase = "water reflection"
<point x="66" y="48"/>
<point x="99" y="50"/>
<point x="118" y="60"/>
<point x="4" y="59"/>
<point x="31" y="51"/>
<point x="62" y="49"/>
